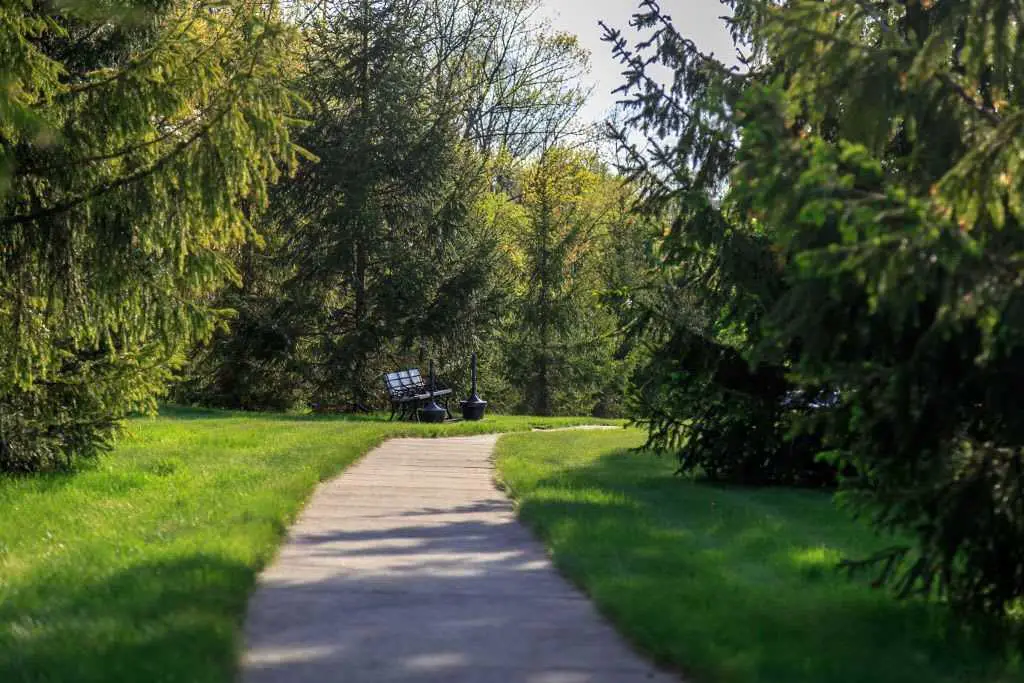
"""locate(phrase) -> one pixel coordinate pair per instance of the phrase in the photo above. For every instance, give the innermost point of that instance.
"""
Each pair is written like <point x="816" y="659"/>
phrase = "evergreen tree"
<point x="876" y="153"/>
<point x="700" y="311"/>
<point x="131" y="145"/>
<point x="377" y="232"/>
<point x="559" y="340"/>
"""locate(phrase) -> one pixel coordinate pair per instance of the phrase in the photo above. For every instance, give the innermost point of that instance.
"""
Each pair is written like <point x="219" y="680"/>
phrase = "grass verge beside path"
<point x="730" y="585"/>
<point x="138" y="569"/>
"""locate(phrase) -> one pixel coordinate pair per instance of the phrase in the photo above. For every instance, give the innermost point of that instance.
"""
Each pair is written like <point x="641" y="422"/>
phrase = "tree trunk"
<point x="542" y="395"/>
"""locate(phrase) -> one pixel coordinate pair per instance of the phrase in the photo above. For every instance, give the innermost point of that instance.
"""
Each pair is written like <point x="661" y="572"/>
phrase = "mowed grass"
<point x="138" y="569"/>
<point x="732" y="585"/>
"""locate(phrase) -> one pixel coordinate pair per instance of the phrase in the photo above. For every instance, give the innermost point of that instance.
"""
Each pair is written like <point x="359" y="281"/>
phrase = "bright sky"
<point x="696" y="19"/>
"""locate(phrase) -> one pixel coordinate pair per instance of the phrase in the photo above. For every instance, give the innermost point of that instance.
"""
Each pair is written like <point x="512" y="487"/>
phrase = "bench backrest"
<point x="404" y="381"/>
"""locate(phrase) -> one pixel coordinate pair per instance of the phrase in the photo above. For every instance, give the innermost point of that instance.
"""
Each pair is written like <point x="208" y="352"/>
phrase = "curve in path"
<point x="410" y="567"/>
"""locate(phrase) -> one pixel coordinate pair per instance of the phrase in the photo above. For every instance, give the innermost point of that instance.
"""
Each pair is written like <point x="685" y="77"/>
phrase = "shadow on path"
<point x="377" y="586"/>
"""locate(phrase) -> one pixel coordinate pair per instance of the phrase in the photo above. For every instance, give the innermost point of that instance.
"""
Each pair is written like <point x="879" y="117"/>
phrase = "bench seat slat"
<point x="407" y="387"/>
<point x="424" y="396"/>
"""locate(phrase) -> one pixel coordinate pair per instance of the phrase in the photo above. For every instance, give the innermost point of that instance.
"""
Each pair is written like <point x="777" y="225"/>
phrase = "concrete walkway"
<point x="410" y="567"/>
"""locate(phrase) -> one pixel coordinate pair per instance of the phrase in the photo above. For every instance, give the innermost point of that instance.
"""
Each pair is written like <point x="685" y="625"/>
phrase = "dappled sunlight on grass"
<point x="815" y="562"/>
<point x="732" y="585"/>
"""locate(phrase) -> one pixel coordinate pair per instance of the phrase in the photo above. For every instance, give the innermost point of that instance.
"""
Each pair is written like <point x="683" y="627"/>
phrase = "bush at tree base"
<point x="737" y="430"/>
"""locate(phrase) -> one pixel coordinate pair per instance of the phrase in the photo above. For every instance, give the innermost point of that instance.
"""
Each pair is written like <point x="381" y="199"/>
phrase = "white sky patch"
<point x="697" y="19"/>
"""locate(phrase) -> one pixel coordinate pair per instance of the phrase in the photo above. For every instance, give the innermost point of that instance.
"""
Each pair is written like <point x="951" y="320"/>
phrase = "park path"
<point x="410" y="567"/>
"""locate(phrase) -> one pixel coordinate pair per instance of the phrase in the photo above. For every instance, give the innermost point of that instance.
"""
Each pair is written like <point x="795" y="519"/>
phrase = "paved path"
<point x="411" y="568"/>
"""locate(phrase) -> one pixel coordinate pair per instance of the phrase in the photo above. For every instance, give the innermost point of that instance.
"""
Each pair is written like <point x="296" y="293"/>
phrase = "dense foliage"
<point x="140" y="233"/>
<point x="445" y="215"/>
<point x="133" y="138"/>
<point x="572" y="241"/>
<point x="848" y="232"/>
<point x="702" y="396"/>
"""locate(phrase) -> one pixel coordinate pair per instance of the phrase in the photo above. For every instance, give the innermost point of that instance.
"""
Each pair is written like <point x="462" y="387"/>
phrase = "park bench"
<point x="407" y="391"/>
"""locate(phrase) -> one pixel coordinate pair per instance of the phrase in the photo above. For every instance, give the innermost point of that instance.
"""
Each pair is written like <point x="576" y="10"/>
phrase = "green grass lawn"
<point x="137" y="569"/>
<point x="731" y="585"/>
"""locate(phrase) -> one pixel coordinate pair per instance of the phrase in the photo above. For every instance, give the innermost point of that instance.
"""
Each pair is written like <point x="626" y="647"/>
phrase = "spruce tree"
<point x="699" y="312"/>
<point x="891" y="174"/>
<point x="875" y="153"/>
<point x="134" y="138"/>
<point x="372" y="228"/>
<point x="558" y="340"/>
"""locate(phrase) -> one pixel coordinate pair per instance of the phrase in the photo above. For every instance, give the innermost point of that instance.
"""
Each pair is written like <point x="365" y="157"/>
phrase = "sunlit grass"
<point x="138" y="568"/>
<point x="732" y="585"/>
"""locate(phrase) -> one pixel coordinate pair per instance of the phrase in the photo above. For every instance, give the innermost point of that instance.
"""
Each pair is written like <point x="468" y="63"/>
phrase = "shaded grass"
<point x="138" y="568"/>
<point x="732" y="585"/>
